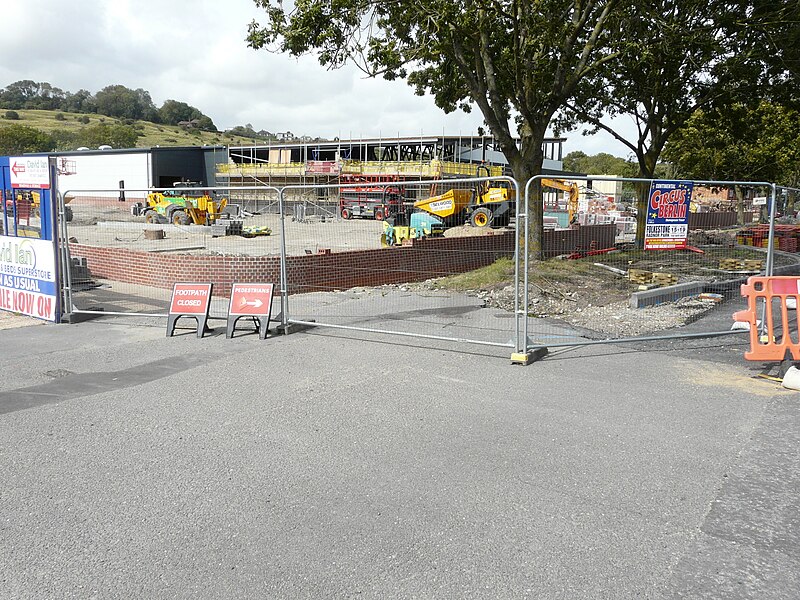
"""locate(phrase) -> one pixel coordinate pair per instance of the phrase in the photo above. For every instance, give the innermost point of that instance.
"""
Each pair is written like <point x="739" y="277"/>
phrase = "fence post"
<point x="522" y="355"/>
<point x="284" y="269"/>
<point x="771" y="245"/>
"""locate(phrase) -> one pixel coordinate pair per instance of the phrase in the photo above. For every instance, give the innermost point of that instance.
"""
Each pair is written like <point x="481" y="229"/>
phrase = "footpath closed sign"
<point x="28" y="277"/>
<point x="250" y="300"/>
<point x="189" y="300"/>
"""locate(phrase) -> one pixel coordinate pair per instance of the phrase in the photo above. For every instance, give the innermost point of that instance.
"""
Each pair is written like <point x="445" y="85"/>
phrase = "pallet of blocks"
<point x="734" y="264"/>
<point x="664" y="279"/>
<point x="752" y="265"/>
<point x="640" y="276"/>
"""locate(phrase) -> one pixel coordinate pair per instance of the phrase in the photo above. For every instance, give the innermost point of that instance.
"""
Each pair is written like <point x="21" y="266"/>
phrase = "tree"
<point x="739" y="143"/>
<point x="173" y="112"/>
<point x="18" y="94"/>
<point x="672" y="57"/>
<point x="20" y="139"/>
<point x="116" y="136"/>
<point x="516" y="62"/>
<point x="771" y="45"/>
<point x="124" y="103"/>
<point x="599" y="164"/>
<point x="206" y="124"/>
<point x="81" y="101"/>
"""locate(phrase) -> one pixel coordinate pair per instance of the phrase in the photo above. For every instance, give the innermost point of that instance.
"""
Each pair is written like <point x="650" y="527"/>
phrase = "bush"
<point x="12" y="115"/>
<point x="60" y="117"/>
<point x="84" y="119"/>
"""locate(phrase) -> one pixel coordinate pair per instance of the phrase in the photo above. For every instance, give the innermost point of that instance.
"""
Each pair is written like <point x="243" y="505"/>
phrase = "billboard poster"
<point x="28" y="277"/>
<point x="667" y="226"/>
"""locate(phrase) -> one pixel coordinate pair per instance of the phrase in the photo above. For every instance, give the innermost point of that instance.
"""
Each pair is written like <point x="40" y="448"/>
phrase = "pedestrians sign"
<point x="250" y="300"/>
<point x="189" y="300"/>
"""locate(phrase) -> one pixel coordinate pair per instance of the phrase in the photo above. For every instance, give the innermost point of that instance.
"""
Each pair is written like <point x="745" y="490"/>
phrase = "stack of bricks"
<point x="734" y="264"/>
<point x="645" y="278"/>
<point x="786" y="237"/>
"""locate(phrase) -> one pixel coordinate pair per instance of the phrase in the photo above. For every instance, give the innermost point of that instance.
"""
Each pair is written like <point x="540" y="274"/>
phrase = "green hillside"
<point x="150" y="134"/>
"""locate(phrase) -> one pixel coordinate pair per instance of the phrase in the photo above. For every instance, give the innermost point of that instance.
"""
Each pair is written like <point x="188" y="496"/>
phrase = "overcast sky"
<point x="194" y="51"/>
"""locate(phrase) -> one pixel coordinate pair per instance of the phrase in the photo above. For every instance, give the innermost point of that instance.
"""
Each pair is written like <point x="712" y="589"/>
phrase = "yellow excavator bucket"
<point x="447" y="204"/>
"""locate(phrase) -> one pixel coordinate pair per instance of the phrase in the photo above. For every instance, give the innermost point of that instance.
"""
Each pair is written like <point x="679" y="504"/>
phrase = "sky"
<point x="194" y="51"/>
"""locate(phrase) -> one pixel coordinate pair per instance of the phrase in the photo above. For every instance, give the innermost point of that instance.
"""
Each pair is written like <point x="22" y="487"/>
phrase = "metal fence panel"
<point x="599" y="284"/>
<point x="382" y="265"/>
<point x="124" y="260"/>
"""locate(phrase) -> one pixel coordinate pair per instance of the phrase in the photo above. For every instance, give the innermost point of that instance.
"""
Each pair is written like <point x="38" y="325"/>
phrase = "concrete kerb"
<point x="668" y="293"/>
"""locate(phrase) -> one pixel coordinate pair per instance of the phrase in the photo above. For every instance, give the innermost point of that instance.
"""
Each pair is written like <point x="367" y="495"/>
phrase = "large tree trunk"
<point x="647" y="168"/>
<point x="526" y="163"/>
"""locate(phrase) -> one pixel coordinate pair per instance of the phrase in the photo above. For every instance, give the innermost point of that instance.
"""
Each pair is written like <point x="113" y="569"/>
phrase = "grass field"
<point x="150" y="134"/>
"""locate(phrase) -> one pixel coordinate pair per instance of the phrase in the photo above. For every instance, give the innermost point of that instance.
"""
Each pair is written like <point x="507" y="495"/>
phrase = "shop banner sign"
<point x="28" y="277"/>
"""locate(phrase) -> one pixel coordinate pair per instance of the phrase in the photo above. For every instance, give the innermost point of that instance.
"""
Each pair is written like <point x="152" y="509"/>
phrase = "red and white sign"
<point x="190" y="299"/>
<point x="251" y="299"/>
<point x="30" y="172"/>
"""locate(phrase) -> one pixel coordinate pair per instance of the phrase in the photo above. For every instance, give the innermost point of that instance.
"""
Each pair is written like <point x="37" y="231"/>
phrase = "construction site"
<point x="329" y="218"/>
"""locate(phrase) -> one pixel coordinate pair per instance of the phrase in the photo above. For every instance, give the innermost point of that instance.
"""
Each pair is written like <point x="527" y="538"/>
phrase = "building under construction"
<point x="393" y="159"/>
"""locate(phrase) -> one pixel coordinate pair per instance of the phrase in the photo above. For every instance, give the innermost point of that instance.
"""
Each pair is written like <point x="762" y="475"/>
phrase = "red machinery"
<point x="361" y="197"/>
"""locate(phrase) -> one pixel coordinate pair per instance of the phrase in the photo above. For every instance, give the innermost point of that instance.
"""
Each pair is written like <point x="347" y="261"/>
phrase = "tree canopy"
<point x="115" y="101"/>
<point x="173" y="112"/>
<point x="121" y="102"/>
<point x="599" y="164"/>
<point x="516" y="62"/>
<point x="20" y="139"/>
<point x="739" y="143"/>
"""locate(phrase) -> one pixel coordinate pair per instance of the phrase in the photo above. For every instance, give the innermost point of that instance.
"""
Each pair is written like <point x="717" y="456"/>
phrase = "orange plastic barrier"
<point x="766" y="298"/>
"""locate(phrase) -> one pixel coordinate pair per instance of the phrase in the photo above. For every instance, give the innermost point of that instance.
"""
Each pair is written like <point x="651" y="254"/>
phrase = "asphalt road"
<point x="326" y="465"/>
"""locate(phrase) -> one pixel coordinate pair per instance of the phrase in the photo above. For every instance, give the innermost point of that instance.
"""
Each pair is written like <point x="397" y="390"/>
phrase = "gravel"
<point x="587" y="309"/>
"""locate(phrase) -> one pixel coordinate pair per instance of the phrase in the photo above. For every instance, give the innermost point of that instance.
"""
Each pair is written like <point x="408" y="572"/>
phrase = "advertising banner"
<point x="667" y="226"/>
<point x="28" y="277"/>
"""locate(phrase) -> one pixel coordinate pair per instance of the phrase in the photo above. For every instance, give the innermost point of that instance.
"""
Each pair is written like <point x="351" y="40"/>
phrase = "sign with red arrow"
<point x="30" y="172"/>
<point x="250" y="300"/>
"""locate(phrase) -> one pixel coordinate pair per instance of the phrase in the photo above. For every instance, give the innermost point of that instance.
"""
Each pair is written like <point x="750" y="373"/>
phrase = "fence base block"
<point x="526" y="358"/>
<point x="791" y="380"/>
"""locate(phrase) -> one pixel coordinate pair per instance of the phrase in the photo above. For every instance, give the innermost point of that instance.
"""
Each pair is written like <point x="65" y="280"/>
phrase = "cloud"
<point x="195" y="52"/>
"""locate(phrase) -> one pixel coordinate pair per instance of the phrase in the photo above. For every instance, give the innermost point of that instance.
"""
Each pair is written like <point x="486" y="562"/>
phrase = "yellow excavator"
<point x="571" y="189"/>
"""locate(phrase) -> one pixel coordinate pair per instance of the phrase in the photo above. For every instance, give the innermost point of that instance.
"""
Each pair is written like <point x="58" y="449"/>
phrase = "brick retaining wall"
<point x="424" y="259"/>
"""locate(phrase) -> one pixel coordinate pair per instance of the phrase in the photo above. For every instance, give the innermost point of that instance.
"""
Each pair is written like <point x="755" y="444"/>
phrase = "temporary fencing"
<point x="385" y="267"/>
<point x="397" y="258"/>
<point x="348" y="257"/>
<point x="123" y="261"/>
<point x="607" y="288"/>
